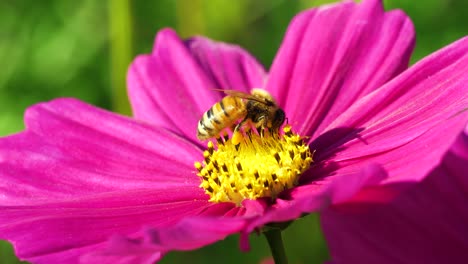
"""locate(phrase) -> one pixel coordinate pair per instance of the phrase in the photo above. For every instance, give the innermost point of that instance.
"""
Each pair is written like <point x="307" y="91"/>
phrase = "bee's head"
<point x="278" y="119"/>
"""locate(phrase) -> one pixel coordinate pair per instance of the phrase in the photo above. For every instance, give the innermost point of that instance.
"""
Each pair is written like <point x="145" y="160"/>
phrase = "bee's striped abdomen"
<point x="221" y="115"/>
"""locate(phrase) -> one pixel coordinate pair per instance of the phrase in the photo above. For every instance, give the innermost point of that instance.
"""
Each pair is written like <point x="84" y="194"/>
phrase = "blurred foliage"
<point x="51" y="49"/>
<point x="81" y="49"/>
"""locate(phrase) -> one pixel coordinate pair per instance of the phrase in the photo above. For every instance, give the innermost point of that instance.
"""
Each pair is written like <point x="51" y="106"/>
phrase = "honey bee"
<point x="237" y="109"/>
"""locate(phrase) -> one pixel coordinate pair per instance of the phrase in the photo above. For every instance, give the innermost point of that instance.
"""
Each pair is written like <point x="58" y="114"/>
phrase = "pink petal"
<point x="427" y="224"/>
<point x="192" y="233"/>
<point x="65" y="229"/>
<point x="124" y="251"/>
<point x="175" y="85"/>
<point x="333" y="55"/>
<point x="72" y="149"/>
<point x="189" y="234"/>
<point x="79" y="174"/>
<point x="319" y="195"/>
<point x="229" y="66"/>
<point x="407" y="125"/>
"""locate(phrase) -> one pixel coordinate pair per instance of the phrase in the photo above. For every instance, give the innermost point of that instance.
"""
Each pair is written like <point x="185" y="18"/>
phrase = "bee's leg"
<point x="235" y="128"/>
<point x="237" y="134"/>
<point x="260" y="126"/>
<point x="222" y="137"/>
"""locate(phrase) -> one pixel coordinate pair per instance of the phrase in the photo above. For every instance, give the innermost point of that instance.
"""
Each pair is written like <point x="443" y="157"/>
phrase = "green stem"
<point x="275" y="241"/>
<point x="120" y="27"/>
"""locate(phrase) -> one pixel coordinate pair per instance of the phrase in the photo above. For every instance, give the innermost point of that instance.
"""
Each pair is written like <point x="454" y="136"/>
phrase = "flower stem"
<point x="120" y="27"/>
<point x="275" y="241"/>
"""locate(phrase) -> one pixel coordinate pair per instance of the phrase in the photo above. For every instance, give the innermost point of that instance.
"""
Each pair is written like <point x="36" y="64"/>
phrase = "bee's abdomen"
<point x="220" y="116"/>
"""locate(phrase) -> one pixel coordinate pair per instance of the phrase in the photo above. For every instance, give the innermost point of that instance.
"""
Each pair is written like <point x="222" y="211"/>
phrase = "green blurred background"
<point x="56" y="48"/>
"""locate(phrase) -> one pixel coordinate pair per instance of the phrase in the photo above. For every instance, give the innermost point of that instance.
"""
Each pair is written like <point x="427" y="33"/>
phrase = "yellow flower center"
<point x="259" y="166"/>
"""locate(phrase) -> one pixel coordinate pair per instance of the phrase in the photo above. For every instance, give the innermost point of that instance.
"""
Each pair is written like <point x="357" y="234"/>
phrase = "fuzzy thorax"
<point x="259" y="166"/>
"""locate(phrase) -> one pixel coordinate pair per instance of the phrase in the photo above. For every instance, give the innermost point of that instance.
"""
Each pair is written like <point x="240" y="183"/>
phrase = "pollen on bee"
<point x="252" y="166"/>
<point x="237" y="137"/>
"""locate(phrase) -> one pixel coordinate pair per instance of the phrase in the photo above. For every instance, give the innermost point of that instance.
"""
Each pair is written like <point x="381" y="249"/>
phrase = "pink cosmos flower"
<point x="427" y="224"/>
<point x="84" y="184"/>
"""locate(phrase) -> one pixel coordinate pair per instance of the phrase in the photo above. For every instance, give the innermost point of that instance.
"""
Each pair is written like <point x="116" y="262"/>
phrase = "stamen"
<point x="258" y="165"/>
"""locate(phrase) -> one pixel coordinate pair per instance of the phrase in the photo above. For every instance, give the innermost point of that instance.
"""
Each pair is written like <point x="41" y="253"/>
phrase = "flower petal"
<point x="60" y="230"/>
<point x="407" y="125"/>
<point x="189" y="234"/>
<point x="63" y="230"/>
<point x="175" y="85"/>
<point x="79" y="174"/>
<point x="427" y="224"/>
<point x="227" y="65"/>
<point x="319" y="195"/>
<point x="335" y="54"/>
<point x="123" y="250"/>
<point x="73" y="149"/>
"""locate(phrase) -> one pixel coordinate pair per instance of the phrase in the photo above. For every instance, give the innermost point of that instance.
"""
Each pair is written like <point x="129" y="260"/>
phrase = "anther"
<point x="206" y="155"/>
<point x="277" y="157"/>
<point x="238" y="165"/>
<point x="198" y="166"/>
<point x="215" y="164"/>
<point x="216" y="180"/>
<point x="210" y="147"/>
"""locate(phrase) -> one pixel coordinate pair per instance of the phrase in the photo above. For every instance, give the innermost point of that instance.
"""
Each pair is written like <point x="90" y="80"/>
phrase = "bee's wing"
<point x="241" y="95"/>
<point x="234" y="93"/>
